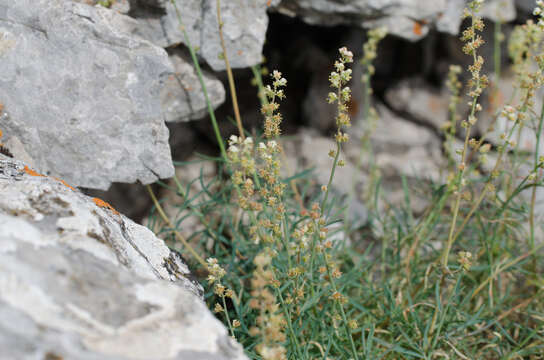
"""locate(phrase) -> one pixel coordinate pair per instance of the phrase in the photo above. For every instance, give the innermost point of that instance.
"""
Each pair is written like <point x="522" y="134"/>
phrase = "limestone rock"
<point x="182" y="97"/>
<point x="526" y="6"/>
<point x="192" y="175"/>
<point x="499" y="10"/>
<point x="410" y="19"/>
<point x="309" y="150"/>
<point x="122" y="6"/>
<point x="420" y="101"/>
<point x="80" y="281"/>
<point x="245" y="24"/>
<point x="82" y="93"/>
<point x="494" y="101"/>
<point x="401" y="147"/>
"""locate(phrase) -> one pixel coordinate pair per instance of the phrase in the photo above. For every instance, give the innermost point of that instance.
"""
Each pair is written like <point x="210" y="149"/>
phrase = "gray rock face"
<point x="499" y="10"/>
<point x="508" y="94"/>
<point x="410" y="19"/>
<point x="309" y="150"/>
<point x="82" y="94"/>
<point x="400" y="147"/>
<point x="420" y="101"/>
<point x="80" y="281"/>
<point x="245" y="24"/>
<point x="188" y="225"/>
<point x="526" y="6"/>
<point x="182" y="97"/>
<point x="122" y="6"/>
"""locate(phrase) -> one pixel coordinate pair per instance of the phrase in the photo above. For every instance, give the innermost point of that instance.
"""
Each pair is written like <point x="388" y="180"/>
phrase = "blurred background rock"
<point x="300" y="38"/>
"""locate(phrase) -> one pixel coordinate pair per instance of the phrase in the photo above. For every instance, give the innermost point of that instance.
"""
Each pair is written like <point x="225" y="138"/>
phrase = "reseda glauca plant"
<point x="287" y="290"/>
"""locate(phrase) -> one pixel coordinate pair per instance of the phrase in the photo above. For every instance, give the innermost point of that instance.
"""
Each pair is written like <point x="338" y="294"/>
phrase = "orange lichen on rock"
<point x="31" y="172"/>
<point x="65" y="184"/>
<point x="418" y="29"/>
<point x="101" y="203"/>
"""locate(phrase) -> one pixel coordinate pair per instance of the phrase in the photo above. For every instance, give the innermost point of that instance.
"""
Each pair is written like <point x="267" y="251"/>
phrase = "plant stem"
<point x="227" y="315"/>
<point x="229" y="73"/>
<point x="533" y="195"/>
<point x="256" y="69"/>
<point x="497" y="49"/>
<point x="173" y="229"/>
<point x="336" y="156"/>
<point x="341" y="307"/>
<point x="495" y="168"/>
<point x="289" y="324"/>
<point x="459" y="180"/>
<point x="202" y="84"/>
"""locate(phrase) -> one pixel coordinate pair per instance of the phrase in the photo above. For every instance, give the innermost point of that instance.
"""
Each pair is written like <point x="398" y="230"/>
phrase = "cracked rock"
<point x="409" y="19"/>
<point x="400" y="148"/>
<point x="82" y="93"/>
<point x="420" y="101"/>
<point x="494" y="101"/>
<point x="182" y="97"/>
<point x="245" y="24"/>
<point x="122" y="6"/>
<point x="308" y="150"/>
<point x="80" y="281"/>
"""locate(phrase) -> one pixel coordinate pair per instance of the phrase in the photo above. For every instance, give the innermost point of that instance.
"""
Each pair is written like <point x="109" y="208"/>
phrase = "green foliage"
<point x="288" y="286"/>
<point x="106" y="3"/>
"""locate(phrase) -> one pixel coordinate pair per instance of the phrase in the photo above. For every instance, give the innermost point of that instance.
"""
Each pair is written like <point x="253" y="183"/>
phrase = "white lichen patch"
<point x="7" y="41"/>
<point x="156" y="335"/>
<point x="13" y="229"/>
<point x="92" y="283"/>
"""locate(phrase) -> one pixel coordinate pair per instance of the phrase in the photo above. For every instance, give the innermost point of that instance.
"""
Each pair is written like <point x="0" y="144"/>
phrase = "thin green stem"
<point x="497" y="39"/>
<point x="202" y="84"/>
<point x="227" y="315"/>
<point x="256" y="69"/>
<point x="495" y="169"/>
<point x="342" y="311"/>
<point x="167" y="221"/>
<point x="533" y="195"/>
<point x="476" y="204"/>
<point x="230" y="77"/>
<point x="331" y="177"/>
<point x="289" y="324"/>
<point x="336" y="156"/>
<point x="459" y="180"/>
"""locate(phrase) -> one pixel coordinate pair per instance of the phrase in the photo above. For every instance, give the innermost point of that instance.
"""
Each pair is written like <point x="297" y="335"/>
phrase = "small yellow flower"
<point x="218" y="308"/>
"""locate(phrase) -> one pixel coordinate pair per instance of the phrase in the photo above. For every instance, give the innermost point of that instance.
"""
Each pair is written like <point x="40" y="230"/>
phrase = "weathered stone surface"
<point x="82" y="93"/>
<point x="182" y="97"/>
<point x="494" y="102"/>
<point x="410" y="19"/>
<point x="400" y="147"/>
<point x="80" y="281"/>
<point x="310" y="150"/>
<point x="420" y="101"/>
<point x="245" y="24"/>
<point x="499" y="10"/>
<point x="122" y="6"/>
<point x="191" y="176"/>
<point x="526" y="6"/>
